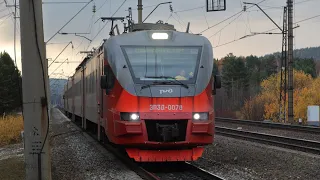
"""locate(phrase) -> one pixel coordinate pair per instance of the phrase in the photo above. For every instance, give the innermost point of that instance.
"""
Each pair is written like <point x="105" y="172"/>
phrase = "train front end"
<point x="159" y="94"/>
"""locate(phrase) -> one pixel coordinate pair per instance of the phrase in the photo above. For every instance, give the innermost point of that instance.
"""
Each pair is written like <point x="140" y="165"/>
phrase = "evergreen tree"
<point x="234" y="73"/>
<point x="253" y="64"/>
<point x="307" y="65"/>
<point x="269" y="66"/>
<point x="10" y="81"/>
<point x="215" y="70"/>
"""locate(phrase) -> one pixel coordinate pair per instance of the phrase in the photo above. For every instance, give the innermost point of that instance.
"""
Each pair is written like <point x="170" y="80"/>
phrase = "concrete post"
<point x="35" y="88"/>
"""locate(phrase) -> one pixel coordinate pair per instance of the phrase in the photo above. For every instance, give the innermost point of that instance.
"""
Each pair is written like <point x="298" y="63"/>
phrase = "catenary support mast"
<point x="290" y="61"/>
<point x="283" y="69"/>
<point x="34" y="86"/>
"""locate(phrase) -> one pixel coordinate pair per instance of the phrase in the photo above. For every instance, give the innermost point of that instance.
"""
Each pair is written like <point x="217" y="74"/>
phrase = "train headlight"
<point x="200" y="116"/>
<point x="125" y="116"/>
<point x="160" y="36"/>
<point x="134" y="116"/>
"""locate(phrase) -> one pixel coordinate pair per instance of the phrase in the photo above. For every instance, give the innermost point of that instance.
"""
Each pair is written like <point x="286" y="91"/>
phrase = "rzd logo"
<point x="162" y="91"/>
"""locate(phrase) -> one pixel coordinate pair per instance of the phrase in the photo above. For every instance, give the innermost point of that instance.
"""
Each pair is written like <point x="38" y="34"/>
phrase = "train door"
<point x="73" y="91"/>
<point x="98" y="89"/>
<point x="83" y="97"/>
<point x="66" y="98"/>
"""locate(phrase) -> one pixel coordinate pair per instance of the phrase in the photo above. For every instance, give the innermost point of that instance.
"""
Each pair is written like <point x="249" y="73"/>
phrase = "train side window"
<point x="109" y="79"/>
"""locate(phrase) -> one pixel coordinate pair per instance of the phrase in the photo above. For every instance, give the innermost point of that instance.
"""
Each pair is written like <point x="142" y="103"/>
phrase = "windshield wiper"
<point x="166" y="78"/>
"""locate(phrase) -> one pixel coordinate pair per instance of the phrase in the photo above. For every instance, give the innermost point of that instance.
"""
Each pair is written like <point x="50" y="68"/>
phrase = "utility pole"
<point x="290" y="60"/>
<point x="34" y="86"/>
<point x="140" y="11"/>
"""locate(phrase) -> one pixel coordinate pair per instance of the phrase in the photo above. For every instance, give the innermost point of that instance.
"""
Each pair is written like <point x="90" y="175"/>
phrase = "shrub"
<point x="10" y="128"/>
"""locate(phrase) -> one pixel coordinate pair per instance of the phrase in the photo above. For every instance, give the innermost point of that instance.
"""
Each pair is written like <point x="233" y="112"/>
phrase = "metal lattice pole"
<point x="290" y="61"/>
<point x="283" y="70"/>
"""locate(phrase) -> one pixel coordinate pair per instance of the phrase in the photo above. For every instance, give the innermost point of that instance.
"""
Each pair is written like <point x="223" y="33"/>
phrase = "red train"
<point x="148" y="91"/>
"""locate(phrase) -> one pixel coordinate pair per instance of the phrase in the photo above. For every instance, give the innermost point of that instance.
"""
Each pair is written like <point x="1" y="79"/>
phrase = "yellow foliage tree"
<point x="305" y="94"/>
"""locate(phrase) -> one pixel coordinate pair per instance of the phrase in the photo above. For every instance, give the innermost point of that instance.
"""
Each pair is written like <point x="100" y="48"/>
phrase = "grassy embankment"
<point x="10" y="129"/>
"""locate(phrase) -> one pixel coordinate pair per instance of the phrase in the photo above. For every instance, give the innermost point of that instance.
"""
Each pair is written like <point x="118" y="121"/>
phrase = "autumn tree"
<point x="305" y="93"/>
<point x="9" y="84"/>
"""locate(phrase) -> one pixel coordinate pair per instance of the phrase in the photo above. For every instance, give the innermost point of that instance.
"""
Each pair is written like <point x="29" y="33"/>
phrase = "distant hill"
<point x="310" y="52"/>
<point x="56" y="88"/>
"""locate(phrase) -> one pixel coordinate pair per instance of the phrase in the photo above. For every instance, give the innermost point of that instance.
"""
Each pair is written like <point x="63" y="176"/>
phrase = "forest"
<point x="250" y="86"/>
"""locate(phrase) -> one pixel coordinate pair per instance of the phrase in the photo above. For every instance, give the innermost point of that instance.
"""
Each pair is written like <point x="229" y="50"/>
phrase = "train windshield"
<point x="150" y="63"/>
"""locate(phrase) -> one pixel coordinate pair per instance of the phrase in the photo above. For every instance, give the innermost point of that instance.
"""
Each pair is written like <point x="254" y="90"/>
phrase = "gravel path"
<point x="78" y="156"/>
<point x="274" y="131"/>
<point x="237" y="159"/>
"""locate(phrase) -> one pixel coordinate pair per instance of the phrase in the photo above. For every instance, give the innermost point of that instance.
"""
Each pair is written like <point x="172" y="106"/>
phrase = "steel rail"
<point x="201" y="172"/>
<point x="309" y="129"/>
<point x="281" y="141"/>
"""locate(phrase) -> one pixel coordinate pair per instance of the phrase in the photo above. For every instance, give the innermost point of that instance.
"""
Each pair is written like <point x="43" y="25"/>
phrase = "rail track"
<point x="309" y="129"/>
<point x="147" y="172"/>
<point x="281" y="141"/>
<point x="179" y="170"/>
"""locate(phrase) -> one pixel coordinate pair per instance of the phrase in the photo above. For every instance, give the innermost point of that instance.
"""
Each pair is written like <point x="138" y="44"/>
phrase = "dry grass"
<point x="10" y="128"/>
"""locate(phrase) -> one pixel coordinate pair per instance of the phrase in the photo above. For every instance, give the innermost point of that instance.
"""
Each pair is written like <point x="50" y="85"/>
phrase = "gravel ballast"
<point x="75" y="155"/>
<point x="238" y="159"/>
<point x="273" y="131"/>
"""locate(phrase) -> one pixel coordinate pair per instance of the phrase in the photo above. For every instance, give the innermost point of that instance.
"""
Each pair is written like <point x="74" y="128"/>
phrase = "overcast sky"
<point x="253" y="20"/>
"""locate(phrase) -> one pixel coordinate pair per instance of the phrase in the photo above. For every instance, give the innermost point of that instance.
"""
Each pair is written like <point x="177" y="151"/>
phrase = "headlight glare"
<point x="196" y="116"/>
<point x="134" y="116"/>
<point x="126" y="116"/>
<point x="200" y="116"/>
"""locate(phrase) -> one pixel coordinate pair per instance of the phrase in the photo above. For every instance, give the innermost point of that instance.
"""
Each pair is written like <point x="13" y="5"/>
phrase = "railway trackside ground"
<point x="76" y="156"/>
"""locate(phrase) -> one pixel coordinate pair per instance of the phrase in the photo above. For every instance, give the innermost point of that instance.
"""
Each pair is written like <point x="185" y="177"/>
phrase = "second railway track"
<point x="300" y="128"/>
<point x="281" y="141"/>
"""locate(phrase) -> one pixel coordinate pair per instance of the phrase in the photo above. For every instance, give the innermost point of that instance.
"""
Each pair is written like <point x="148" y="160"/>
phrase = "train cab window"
<point x="180" y="63"/>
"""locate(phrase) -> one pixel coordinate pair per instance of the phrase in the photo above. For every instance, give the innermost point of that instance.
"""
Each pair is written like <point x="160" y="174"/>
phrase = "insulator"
<point x="171" y="9"/>
<point x="244" y="8"/>
<point x="94" y="8"/>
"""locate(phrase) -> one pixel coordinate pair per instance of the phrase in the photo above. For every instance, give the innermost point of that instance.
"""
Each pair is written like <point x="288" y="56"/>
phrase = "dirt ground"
<point x="12" y="162"/>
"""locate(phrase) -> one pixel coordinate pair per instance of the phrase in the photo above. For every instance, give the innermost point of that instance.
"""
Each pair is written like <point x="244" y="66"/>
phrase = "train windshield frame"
<point x="148" y="64"/>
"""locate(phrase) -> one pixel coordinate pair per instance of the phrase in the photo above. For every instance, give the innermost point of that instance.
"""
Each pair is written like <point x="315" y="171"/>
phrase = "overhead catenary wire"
<point x="69" y="21"/>
<point x="226" y="25"/>
<point x="5" y="15"/>
<point x="60" y="53"/>
<point x="58" y="66"/>
<point x="102" y="5"/>
<point x="264" y="32"/>
<point x="227" y="18"/>
<point x="106" y="24"/>
<point x="1" y="10"/>
<point x="185" y="10"/>
<point x="60" y="2"/>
